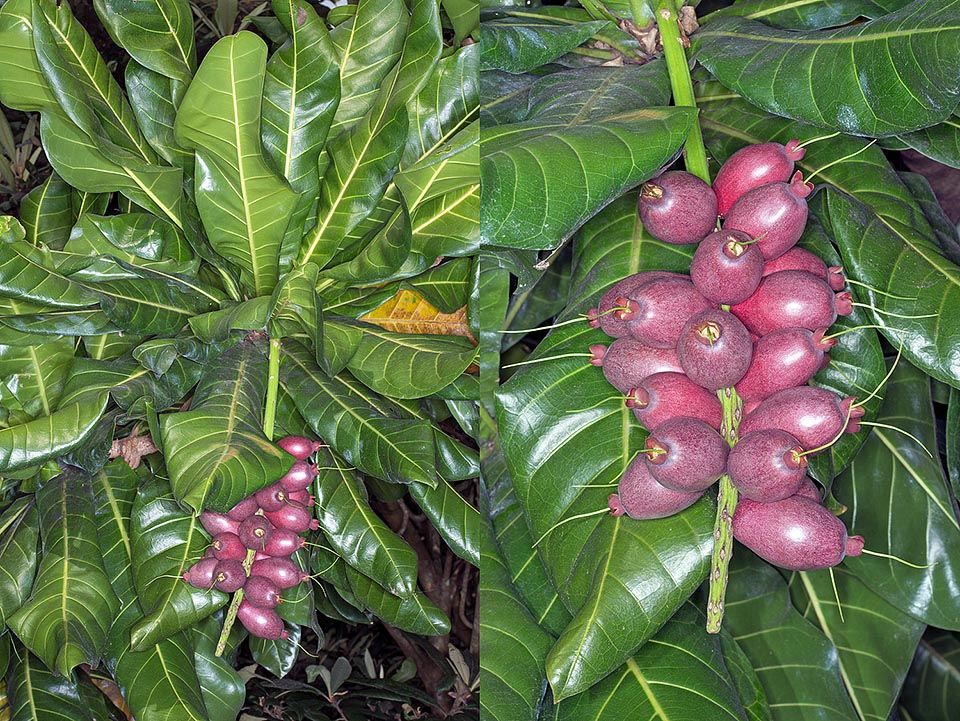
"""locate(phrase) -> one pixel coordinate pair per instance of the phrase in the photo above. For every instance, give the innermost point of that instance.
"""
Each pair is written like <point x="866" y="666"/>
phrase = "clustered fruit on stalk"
<point x="267" y="525"/>
<point x="752" y="315"/>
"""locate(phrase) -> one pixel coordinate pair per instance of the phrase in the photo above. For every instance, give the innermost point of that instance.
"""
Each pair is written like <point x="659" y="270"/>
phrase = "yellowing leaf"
<point x="409" y="312"/>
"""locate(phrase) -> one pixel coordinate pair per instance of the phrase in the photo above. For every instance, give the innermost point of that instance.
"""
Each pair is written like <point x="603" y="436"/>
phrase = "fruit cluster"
<point x="753" y="316"/>
<point x="267" y="525"/>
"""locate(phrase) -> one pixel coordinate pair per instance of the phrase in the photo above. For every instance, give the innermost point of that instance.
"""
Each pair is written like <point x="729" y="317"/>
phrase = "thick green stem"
<point x="726" y="505"/>
<point x="231" y="616"/>
<point x="273" y="385"/>
<point x="668" y="22"/>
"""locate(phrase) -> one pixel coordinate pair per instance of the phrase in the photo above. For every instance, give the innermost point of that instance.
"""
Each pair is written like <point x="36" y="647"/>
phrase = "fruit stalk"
<point x="273" y="385"/>
<point x="726" y="505"/>
<point x="231" y="616"/>
<point x="668" y="23"/>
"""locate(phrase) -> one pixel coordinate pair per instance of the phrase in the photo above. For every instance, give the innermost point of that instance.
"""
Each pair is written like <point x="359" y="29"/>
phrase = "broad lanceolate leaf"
<point x="66" y="619"/>
<point x="940" y="142"/>
<point x="520" y="45"/>
<point x="884" y="77"/>
<point x="244" y="206"/>
<point x="22" y="84"/>
<point x="155" y="99"/>
<point x="414" y="613"/>
<point x="398" y="450"/>
<point x="166" y="543"/>
<point x="23" y="278"/>
<point x="216" y="452"/>
<point x="34" y="375"/>
<point x="900" y="502"/>
<point x="221" y="685"/>
<point x="544" y="179"/>
<point x="36" y="693"/>
<point x="358" y="534"/>
<point x="457" y="522"/>
<point x="932" y="688"/>
<point x="158" y="34"/>
<point x="811" y="14"/>
<point x="19" y="534"/>
<point x="875" y="641"/>
<point x="47" y="213"/>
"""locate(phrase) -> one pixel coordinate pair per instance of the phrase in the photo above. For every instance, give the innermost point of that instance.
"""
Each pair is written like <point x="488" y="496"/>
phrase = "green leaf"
<point x="158" y="35"/>
<point x="404" y="365"/>
<point x="398" y="450"/>
<point x="222" y="687"/>
<point x="875" y="641"/>
<point x="23" y="278"/>
<point x="49" y="437"/>
<point x="530" y="204"/>
<point x="36" y="693"/>
<point x="899" y="500"/>
<point x="244" y="206"/>
<point x="66" y="619"/>
<point x="296" y="307"/>
<point x="47" y="213"/>
<point x="932" y="688"/>
<point x="34" y="375"/>
<point x="216" y="452"/>
<point x="136" y="238"/>
<point x="796" y="663"/>
<point x="450" y="167"/>
<point x="745" y="677"/>
<point x="464" y="15"/>
<point x="457" y="522"/>
<point x="19" y="535"/>
<point x="884" y="77"/>
<point x="278" y="657"/>
<point x="358" y="534"/>
<point x="940" y="142"/>
<point x="414" y="613"/>
<point x="219" y="325"/>
<point x="22" y="84"/>
<point x="166" y="543"/>
<point x="155" y="98"/>
<point x="521" y="45"/>
<point x="114" y="491"/>
<point x="811" y="14"/>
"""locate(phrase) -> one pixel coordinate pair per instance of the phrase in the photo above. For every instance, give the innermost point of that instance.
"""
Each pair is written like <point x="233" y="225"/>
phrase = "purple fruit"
<point x="255" y="532"/>
<point x="299" y="447"/>
<point x="727" y="267"/>
<point x="262" y="592"/>
<point x="229" y="575"/>
<point x="641" y="497"/>
<point x="627" y="362"/>
<point x="799" y="259"/>
<point x="767" y="466"/>
<point x="795" y="533"/>
<point x="663" y="396"/>
<point x="282" y="571"/>
<point x="783" y="359"/>
<point x="656" y="311"/>
<point x="273" y="497"/>
<point x="284" y="543"/>
<point x="247" y="507"/>
<point x="215" y="523"/>
<point x="753" y="166"/>
<point x="304" y="499"/>
<point x="299" y="476"/>
<point x="791" y="299"/>
<point x="228" y="545"/>
<point x="714" y="349"/>
<point x="293" y="518"/>
<point x="814" y="416"/>
<point x="609" y="323"/>
<point x="677" y="207"/>
<point x="808" y="489"/>
<point x="261" y="622"/>
<point x="200" y="574"/>
<point x="686" y="455"/>
<point x="775" y="214"/>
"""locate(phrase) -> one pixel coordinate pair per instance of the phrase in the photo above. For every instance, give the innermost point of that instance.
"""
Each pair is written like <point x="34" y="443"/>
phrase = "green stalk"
<point x="231" y="616"/>
<point x="273" y="385"/>
<point x="726" y="505"/>
<point x="668" y="22"/>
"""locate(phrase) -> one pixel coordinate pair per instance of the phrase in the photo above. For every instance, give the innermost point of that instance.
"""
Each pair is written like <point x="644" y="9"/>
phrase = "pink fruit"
<point x="228" y="545"/>
<point x="677" y="207"/>
<point x="656" y="311"/>
<point x="299" y="447"/>
<point x="261" y="622"/>
<point x="783" y="359"/>
<point x="686" y="455"/>
<point x="790" y="299"/>
<point x="283" y="543"/>
<point x="255" y="532"/>
<point x="663" y="396"/>
<point x="200" y="574"/>
<point x="775" y="214"/>
<point x="767" y="466"/>
<point x="627" y="362"/>
<point x="726" y="267"/>
<point x="299" y="476"/>
<point x="714" y="349"/>
<point x="293" y="518"/>
<point x="753" y="166"/>
<point x="247" y="507"/>
<point x="262" y="592"/>
<point x="814" y="416"/>
<point x="795" y="533"/>
<point x="215" y="523"/>
<point x="601" y="317"/>
<point x="641" y="497"/>
<point x="273" y="497"/>
<point x="302" y="498"/>
<point x="229" y="575"/>
<point x="799" y="259"/>
<point x="282" y="571"/>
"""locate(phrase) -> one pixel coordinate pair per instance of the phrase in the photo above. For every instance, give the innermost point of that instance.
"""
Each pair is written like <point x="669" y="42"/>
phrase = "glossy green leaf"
<point x="66" y="619"/>
<point x="505" y="97"/>
<point x="19" y="535"/>
<point x="166" y="542"/>
<point x="520" y="45"/>
<point x="797" y="665"/>
<point x="464" y="16"/>
<point x="875" y="641"/>
<point x="155" y="98"/>
<point x="218" y="325"/>
<point x="47" y="213"/>
<point x="811" y="14"/>
<point x="358" y="534"/>
<point x="382" y="257"/>
<point x="748" y="684"/>
<point x="300" y="95"/>
<point x="34" y="375"/>
<point x="448" y="226"/>
<point x="899" y="500"/>
<point x="884" y="77"/>
<point x="137" y="238"/>
<point x="415" y="613"/>
<point x="244" y="206"/>
<point x="296" y="308"/>
<point x="158" y="35"/>
<point x="22" y="84"/>
<point x="277" y="657"/>
<point x="953" y="440"/>
<point x="23" y="278"/>
<point x="114" y="490"/>
<point x="404" y="365"/>
<point x="49" y="437"/>
<point x="944" y="229"/>
<point x="932" y="688"/>
<point x="940" y="142"/>
<point x="37" y="693"/>
<point x="448" y="168"/>
<point x="92" y="322"/>
<point x="221" y="685"/>
<point x="457" y="522"/>
<point x="393" y="449"/>
<point x="529" y="168"/>
<point x="216" y="452"/>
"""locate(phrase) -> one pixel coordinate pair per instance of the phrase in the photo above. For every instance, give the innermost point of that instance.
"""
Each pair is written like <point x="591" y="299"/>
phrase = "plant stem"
<point x="231" y="616"/>
<point x="668" y="22"/>
<point x="273" y="385"/>
<point x="726" y="505"/>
